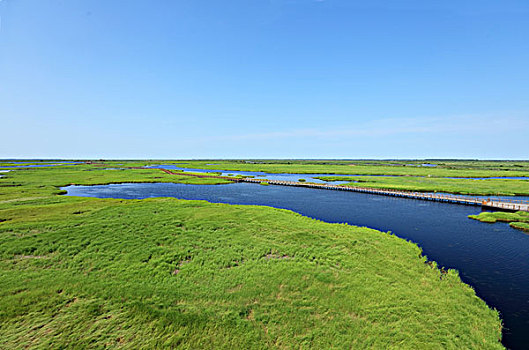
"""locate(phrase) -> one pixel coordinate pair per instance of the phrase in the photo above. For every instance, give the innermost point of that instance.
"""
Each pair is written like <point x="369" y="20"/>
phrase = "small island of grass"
<point x="518" y="220"/>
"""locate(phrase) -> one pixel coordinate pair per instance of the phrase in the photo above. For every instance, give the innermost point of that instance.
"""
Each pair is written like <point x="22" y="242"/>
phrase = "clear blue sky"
<point x="264" y="79"/>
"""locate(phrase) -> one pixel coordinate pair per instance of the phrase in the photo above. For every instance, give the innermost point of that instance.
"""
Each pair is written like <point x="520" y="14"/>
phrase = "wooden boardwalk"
<point x="490" y="203"/>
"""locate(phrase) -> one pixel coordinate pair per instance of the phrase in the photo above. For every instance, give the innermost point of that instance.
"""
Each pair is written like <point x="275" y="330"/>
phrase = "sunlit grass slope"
<point x="84" y="272"/>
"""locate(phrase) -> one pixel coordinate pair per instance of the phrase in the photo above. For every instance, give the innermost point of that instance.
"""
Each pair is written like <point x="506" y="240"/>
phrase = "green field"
<point x="447" y="177"/>
<point x="406" y="168"/>
<point x="353" y="167"/>
<point x="492" y="187"/>
<point x="84" y="272"/>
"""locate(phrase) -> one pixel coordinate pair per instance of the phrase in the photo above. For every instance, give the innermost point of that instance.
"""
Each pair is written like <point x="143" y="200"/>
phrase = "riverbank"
<point x="166" y="272"/>
<point x="462" y="169"/>
<point x="518" y="220"/>
<point x="492" y="187"/>
<point x="484" y="178"/>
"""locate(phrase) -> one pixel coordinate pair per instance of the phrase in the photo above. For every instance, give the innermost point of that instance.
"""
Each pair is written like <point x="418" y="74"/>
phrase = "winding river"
<point x="492" y="258"/>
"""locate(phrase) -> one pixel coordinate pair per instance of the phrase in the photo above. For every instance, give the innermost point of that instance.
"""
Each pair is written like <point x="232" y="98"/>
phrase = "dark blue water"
<point x="257" y="174"/>
<point x="309" y="177"/>
<point x="493" y="258"/>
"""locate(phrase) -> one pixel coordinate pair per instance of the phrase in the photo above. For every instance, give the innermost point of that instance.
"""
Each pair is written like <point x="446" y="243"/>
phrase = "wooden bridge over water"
<point x="491" y="203"/>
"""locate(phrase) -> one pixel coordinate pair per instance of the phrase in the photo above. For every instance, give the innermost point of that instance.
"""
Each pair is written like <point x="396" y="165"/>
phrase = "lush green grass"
<point x="524" y="226"/>
<point x="353" y="167"/>
<point x="492" y="217"/>
<point x="409" y="165"/>
<point x="518" y="220"/>
<point x="436" y="184"/>
<point x="473" y="169"/>
<point x="410" y="175"/>
<point x="35" y="182"/>
<point x="443" y="168"/>
<point x="85" y="272"/>
<point x="98" y="174"/>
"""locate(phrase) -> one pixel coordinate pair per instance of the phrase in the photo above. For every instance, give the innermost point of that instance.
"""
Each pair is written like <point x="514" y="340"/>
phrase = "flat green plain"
<point x="492" y="187"/>
<point x="447" y="176"/>
<point x="459" y="169"/>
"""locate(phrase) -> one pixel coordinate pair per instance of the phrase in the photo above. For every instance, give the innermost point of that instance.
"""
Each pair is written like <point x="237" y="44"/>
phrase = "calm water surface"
<point x="492" y="258"/>
<point x="314" y="178"/>
<point x="311" y="177"/>
<point x="257" y="174"/>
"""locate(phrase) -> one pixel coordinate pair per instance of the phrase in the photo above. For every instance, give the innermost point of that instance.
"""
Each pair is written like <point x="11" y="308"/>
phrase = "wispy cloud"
<point x="467" y="124"/>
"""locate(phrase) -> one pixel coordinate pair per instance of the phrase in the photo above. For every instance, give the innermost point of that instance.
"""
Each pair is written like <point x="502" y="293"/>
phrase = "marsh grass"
<point x="504" y="187"/>
<point x="518" y="220"/>
<point x="167" y="273"/>
<point x="524" y="226"/>
<point x="398" y="168"/>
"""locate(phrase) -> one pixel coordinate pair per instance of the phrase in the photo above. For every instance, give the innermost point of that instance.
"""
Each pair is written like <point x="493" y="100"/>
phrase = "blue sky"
<point x="264" y="79"/>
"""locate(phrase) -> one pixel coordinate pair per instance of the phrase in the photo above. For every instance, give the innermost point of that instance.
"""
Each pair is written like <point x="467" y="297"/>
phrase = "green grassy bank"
<point x="85" y="272"/>
<point x="518" y="220"/>
<point x="492" y="187"/>
<point x="449" y="177"/>
<point x="454" y="169"/>
<point x="352" y="167"/>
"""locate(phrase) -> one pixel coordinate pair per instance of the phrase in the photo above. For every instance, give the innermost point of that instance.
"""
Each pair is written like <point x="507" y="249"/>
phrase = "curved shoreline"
<point x="399" y="239"/>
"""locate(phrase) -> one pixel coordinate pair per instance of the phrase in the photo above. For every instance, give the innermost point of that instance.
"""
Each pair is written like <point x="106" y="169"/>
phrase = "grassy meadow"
<point x="459" y="169"/>
<point x="95" y="273"/>
<point x="447" y="176"/>
<point x="403" y="168"/>
<point x="492" y="187"/>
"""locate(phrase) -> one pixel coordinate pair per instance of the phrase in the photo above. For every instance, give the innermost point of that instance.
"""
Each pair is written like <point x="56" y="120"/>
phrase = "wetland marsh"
<point x="241" y="257"/>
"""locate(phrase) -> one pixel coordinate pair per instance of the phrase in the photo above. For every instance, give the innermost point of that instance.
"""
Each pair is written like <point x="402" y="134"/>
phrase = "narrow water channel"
<point x="492" y="258"/>
<point x="257" y="174"/>
<point x="315" y="178"/>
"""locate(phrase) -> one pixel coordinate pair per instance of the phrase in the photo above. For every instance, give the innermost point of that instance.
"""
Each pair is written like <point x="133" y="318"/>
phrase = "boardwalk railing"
<point x="498" y="203"/>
